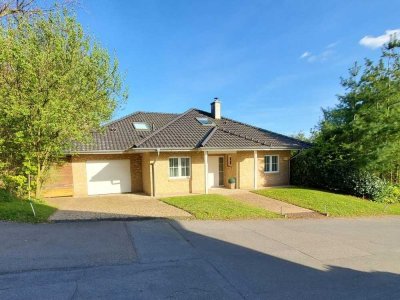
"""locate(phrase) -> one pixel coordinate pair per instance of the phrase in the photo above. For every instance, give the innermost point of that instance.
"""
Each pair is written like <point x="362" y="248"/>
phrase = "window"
<point x="179" y="167"/>
<point x="205" y="121"/>
<point x="141" y="126"/>
<point x="271" y="164"/>
<point x="221" y="170"/>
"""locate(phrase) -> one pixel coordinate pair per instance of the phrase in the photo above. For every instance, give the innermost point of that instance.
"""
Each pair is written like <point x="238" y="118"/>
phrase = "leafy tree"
<point x="56" y="86"/>
<point x="364" y="128"/>
<point x="356" y="148"/>
<point x="304" y="137"/>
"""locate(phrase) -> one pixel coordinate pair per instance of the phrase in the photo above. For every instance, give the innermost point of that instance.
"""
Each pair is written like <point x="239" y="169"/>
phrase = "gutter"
<point x="140" y="150"/>
<point x="153" y="176"/>
<point x="143" y="150"/>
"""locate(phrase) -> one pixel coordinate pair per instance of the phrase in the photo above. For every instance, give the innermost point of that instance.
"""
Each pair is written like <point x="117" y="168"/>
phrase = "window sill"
<point x="178" y="178"/>
<point x="271" y="172"/>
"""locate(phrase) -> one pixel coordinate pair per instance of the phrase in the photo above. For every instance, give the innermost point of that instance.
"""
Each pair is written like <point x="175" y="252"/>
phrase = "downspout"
<point x="205" y="172"/>
<point x="290" y="163"/>
<point x="153" y="177"/>
<point x="255" y="170"/>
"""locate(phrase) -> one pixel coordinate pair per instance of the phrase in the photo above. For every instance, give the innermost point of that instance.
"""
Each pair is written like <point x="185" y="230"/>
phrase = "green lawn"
<point x="336" y="204"/>
<point x="14" y="209"/>
<point x="217" y="207"/>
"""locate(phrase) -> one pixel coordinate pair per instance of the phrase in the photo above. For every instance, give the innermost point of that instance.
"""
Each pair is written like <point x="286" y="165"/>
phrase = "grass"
<point x="19" y="210"/>
<point x="217" y="207"/>
<point x="336" y="205"/>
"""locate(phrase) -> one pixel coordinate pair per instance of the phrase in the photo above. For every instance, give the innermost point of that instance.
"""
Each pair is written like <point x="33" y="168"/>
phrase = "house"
<point x="164" y="154"/>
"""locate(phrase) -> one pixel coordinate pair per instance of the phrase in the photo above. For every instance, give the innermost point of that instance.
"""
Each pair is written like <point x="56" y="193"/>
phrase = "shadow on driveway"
<point x="192" y="259"/>
<point x="110" y="207"/>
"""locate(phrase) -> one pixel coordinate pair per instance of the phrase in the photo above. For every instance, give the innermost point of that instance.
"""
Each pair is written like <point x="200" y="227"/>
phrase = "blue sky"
<point x="273" y="64"/>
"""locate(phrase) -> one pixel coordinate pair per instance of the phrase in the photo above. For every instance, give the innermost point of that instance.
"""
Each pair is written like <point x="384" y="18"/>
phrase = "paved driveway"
<point x="157" y="259"/>
<point x="112" y="207"/>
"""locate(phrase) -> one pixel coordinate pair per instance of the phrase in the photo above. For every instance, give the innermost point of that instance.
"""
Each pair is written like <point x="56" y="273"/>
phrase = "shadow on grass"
<point x="20" y="210"/>
<point x="183" y="258"/>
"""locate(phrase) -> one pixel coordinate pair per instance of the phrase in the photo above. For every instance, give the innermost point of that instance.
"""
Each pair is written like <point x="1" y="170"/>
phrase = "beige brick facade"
<point x="79" y="170"/>
<point x="150" y="172"/>
<point x="245" y="167"/>
<point x="273" y="179"/>
<point x="164" y="185"/>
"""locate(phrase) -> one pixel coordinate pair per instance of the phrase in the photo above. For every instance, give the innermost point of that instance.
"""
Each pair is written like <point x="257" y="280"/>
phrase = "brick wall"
<point x="72" y="176"/>
<point x="164" y="185"/>
<point x="245" y="161"/>
<point x="79" y="170"/>
<point x="274" y="179"/>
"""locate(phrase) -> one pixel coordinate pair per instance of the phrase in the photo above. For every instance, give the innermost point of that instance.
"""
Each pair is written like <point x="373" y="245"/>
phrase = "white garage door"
<point x="108" y="176"/>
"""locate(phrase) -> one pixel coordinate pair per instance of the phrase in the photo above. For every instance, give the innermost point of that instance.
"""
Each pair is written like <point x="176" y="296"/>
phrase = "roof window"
<point x="205" y="121"/>
<point x="141" y="126"/>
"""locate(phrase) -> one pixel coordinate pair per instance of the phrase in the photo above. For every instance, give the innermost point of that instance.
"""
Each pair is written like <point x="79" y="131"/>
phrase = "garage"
<point x="108" y="176"/>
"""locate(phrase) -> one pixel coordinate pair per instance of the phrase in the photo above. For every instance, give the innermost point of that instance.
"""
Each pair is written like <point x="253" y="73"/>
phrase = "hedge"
<point x="311" y="169"/>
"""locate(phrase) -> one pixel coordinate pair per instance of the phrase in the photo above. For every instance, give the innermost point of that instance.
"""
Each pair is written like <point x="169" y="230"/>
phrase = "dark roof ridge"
<point x="265" y="130"/>
<point x="208" y="136"/>
<point x="163" y="127"/>
<point x="243" y="136"/>
<point x="252" y="126"/>
<point x="137" y="113"/>
<point x="122" y="118"/>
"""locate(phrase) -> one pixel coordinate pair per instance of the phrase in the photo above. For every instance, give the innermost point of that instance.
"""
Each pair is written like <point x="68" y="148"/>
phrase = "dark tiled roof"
<point x="173" y="131"/>
<point x="120" y="135"/>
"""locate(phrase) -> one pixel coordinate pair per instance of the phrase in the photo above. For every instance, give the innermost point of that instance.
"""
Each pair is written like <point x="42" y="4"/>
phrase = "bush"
<point x="390" y="194"/>
<point x="312" y="169"/>
<point x="363" y="184"/>
<point x="231" y="180"/>
<point x="5" y="196"/>
<point x="17" y="184"/>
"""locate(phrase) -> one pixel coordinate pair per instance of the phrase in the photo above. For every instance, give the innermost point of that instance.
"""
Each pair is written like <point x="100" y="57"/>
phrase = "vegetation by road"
<point x="217" y="207"/>
<point x="336" y="205"/>
<point x="19" y="210"/>
<point x="57" y="86"/>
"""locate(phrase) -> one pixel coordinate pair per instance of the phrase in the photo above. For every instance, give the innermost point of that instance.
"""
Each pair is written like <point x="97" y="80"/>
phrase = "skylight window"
<point x="205" y="121"/>
<point x="141" y="126"/>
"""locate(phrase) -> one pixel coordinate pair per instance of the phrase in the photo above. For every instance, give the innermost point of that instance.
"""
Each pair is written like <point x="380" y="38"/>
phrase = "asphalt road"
<point x="281" y="259"/>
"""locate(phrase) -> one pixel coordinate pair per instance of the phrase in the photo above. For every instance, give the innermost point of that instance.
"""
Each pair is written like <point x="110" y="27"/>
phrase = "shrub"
<point x="390" y="194"/>
<point x="363" y="184"/>
<point x="314" y="170"/>
<point x="231" y="180"/>
<point x="15" y="184"/>
<point x="5" y="196"/>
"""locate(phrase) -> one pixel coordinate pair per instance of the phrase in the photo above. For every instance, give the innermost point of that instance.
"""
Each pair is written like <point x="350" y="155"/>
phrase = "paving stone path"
<point x="270" y="204"/>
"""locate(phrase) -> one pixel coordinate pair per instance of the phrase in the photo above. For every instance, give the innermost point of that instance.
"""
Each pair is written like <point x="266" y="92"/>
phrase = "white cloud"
<point x="305" y="54"/>
<point x="332" y="45"/>
<point x="323" y="56"/>
<point x="374" y="42"/>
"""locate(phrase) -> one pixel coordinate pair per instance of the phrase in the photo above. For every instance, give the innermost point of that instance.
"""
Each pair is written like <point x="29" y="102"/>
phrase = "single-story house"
<point x="165" y="153"/>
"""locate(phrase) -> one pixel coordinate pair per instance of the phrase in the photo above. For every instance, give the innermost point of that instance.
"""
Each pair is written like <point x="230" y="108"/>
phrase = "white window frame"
<point x="270" y="159"/>
<point x="139" y="124"/>
<point x="179" y="167"/>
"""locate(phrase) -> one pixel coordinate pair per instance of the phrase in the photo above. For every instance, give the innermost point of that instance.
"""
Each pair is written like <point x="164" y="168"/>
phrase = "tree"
<point x="365" y="126"/>
<point x="56" y="87"/>
<point x="304" y="137"/>
<point x="25" y="7"/>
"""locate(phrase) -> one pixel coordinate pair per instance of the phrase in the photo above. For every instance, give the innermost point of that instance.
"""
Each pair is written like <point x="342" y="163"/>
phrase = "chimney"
<point x="216" y="109"/>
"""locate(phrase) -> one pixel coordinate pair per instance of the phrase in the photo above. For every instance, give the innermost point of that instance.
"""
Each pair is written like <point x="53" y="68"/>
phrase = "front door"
<point x="215" y="171"/>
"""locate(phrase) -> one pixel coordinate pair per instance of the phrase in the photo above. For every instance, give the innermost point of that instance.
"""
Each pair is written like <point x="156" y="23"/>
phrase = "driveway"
<point x="119" y="206"/>
<point x="158" y="259"/>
